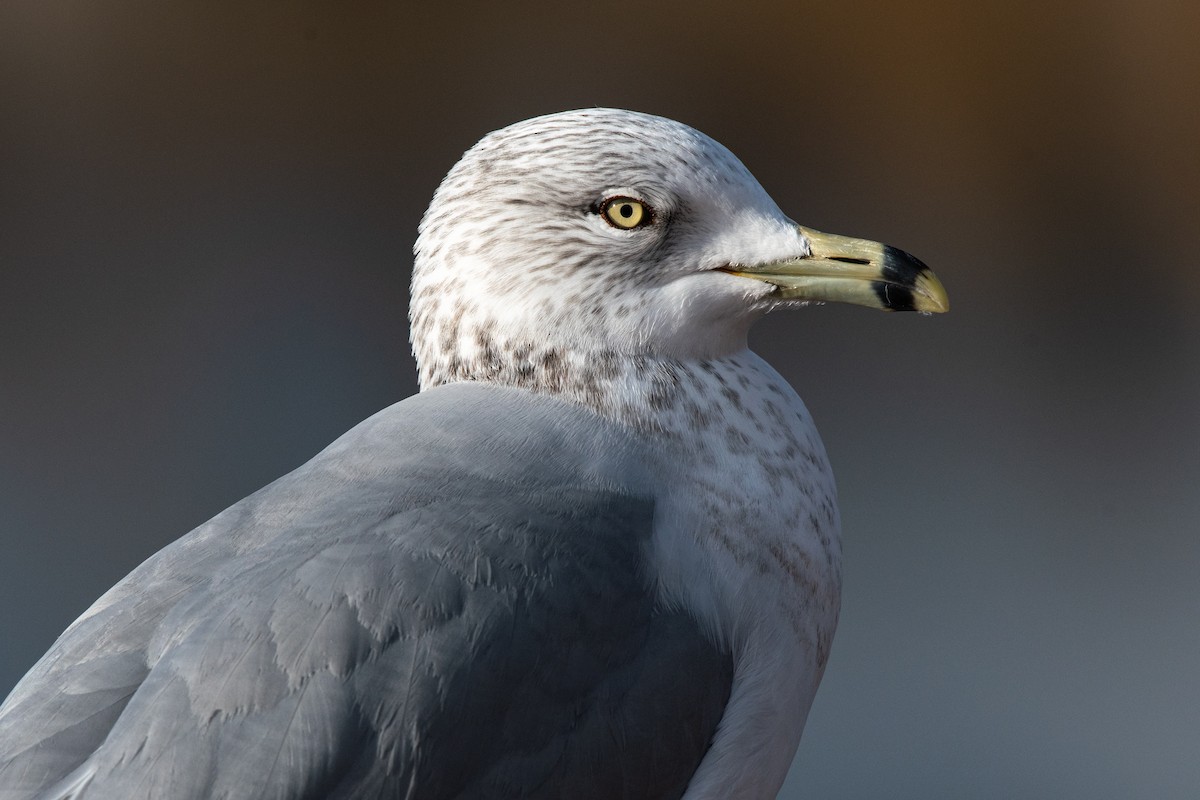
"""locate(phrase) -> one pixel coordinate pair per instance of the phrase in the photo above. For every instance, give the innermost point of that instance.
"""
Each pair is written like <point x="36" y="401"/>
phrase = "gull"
<point x="596" y="556"/>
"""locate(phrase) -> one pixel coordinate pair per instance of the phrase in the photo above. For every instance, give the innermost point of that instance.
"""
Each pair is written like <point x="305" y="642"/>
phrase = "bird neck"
<point x="645" y="392"/>
<point x="643" y="373"/>
<point x="632" y="389"/>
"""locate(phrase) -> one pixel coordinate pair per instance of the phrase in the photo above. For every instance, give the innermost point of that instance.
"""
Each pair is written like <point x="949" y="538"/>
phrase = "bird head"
<point x="620" y="231"/>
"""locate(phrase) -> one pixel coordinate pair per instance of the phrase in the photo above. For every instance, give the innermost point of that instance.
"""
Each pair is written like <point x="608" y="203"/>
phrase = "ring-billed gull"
<point x="596" y="557"/>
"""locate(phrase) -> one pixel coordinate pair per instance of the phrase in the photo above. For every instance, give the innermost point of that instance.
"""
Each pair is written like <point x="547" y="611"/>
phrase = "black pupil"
<point x="626" y="211"/>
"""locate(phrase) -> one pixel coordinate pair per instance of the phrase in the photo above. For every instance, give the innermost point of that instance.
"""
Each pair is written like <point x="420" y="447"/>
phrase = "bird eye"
<point x="625" y="212"/>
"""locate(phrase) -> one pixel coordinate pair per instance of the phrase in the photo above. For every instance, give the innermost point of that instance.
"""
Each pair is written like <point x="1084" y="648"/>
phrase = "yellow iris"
<point x="625" y="212"/>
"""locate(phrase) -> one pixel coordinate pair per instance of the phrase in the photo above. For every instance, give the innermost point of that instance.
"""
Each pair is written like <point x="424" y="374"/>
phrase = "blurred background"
<point x="207" y="211"/>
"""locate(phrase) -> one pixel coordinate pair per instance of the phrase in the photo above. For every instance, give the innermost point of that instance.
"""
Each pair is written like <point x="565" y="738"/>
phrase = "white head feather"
<point x="515" y="258"/>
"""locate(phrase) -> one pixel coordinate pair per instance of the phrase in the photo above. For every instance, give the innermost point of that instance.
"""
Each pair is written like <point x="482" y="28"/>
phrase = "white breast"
<point x="747" y="539"/>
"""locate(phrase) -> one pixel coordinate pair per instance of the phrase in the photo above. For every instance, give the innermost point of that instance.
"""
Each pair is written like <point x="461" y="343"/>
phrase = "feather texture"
<point x="386" y="622"/>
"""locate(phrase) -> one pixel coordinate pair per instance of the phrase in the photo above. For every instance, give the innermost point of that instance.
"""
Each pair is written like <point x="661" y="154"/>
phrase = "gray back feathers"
<point x="442" y="604"/>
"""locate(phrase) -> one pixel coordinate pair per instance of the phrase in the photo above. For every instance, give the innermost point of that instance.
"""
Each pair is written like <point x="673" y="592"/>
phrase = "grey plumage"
<point x="598" y="557"/>
<point x="387" y="622"/>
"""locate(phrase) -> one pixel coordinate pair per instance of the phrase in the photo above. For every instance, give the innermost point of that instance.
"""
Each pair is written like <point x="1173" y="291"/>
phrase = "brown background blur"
<point x="206" y="216"/>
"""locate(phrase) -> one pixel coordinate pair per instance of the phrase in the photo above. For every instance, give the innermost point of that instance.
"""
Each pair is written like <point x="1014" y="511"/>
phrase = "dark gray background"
<point x="206" y="215"/>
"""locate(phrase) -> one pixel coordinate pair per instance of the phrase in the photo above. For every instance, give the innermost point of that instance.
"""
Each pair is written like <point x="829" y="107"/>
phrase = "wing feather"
<point x="440" y="605"/>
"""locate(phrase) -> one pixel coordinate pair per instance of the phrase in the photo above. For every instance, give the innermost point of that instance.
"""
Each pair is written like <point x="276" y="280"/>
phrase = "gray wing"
<point x="452" y="601"/>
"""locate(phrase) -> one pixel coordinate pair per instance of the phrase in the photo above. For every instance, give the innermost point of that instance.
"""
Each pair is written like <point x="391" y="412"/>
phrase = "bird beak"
<point x="841" y="269"/>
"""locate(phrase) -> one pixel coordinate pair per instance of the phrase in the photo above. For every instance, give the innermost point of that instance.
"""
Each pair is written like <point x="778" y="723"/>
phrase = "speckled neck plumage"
<point x="652" y="394"/>
<point x="629" y="389"/>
